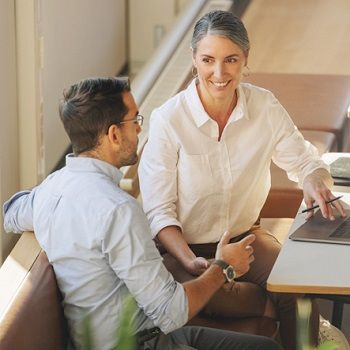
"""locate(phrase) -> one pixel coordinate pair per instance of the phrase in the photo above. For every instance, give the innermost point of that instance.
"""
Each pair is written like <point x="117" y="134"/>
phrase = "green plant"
<point x="126" y="339"/>
<point x="328" y="345"/>
<point x="303" y="328"/>
<point x="88" y="343"/>
<point x="125" y="335"/>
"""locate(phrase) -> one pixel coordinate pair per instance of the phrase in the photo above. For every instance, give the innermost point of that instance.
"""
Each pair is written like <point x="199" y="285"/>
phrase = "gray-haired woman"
<point x="206" y="169"/>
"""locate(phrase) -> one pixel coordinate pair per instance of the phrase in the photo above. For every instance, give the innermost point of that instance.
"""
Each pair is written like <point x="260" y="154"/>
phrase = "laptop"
<point x="319" y="229"/>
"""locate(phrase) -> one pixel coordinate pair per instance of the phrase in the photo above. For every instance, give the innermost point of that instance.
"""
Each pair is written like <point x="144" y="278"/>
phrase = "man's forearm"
<point x="200" y="290"/>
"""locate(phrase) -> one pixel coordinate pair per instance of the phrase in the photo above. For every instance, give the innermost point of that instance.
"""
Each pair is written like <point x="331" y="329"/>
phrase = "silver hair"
<point x="221" y="23"/>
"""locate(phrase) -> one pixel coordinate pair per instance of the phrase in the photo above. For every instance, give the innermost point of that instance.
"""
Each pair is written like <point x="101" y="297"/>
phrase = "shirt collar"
<point x="196" y="108"/>
<point x="198" y="112"/>
<point x="86" y="164"/>
<point x="241" y="110"/>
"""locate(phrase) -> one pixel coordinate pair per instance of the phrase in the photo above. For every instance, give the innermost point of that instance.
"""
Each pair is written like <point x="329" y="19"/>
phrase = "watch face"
<point x="230" y="273"/>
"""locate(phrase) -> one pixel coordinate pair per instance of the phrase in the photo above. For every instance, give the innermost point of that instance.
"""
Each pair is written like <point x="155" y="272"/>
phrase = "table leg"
<point x="337" y="314"/>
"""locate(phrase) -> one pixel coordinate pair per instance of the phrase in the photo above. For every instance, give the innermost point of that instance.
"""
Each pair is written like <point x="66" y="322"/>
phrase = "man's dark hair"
<point x="90" y="107"/>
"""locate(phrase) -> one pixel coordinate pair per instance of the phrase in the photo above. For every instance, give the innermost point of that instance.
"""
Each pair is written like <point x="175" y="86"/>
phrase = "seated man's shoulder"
<point x="114" y="197"/>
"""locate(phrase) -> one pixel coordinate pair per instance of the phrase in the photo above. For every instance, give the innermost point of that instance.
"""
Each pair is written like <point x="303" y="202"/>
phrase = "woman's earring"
<point x="194" y="72"/>
<point x="247" y="72"/>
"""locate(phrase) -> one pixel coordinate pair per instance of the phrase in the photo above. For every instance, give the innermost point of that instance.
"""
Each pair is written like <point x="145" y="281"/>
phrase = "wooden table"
<point x="320" y="269"/>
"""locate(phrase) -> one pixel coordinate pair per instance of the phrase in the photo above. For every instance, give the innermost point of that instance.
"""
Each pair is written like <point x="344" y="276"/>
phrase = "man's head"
<point x="94" y="114"/>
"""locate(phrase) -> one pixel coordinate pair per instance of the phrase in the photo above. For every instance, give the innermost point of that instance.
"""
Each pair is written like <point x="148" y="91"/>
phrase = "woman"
<point x="206" y="169"/>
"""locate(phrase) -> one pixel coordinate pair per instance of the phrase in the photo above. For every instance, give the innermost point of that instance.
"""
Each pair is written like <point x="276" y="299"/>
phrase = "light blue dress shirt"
<point x="98" y="241"/>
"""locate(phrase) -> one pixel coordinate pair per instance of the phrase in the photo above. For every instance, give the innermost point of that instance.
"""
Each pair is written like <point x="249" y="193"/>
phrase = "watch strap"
<point x="221" y="263"/>
<point x="227" y="269"/>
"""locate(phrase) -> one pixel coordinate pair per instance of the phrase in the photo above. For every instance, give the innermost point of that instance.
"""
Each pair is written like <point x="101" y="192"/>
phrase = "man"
<point x="98" y="240"/>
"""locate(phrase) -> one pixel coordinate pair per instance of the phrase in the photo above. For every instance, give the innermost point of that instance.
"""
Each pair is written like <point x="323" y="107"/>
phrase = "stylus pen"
<point x="317" y="206"/>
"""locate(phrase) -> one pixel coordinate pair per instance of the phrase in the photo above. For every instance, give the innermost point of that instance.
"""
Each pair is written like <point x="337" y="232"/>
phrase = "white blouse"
<point x="190" y="179"/>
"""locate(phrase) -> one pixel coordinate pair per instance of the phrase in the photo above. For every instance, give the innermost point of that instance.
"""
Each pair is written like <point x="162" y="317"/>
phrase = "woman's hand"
<point x="172" y="239"/>
<point x="316" y="188"/>
<point x="197" y="266"/>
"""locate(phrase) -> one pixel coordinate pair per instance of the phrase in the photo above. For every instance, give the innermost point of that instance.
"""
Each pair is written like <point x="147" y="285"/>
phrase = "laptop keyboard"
<point x="343" y="230"/>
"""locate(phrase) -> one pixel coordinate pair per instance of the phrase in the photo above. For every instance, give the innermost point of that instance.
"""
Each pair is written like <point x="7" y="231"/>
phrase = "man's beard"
<point x="131" y="156"/>
<point x="133" y="159"/>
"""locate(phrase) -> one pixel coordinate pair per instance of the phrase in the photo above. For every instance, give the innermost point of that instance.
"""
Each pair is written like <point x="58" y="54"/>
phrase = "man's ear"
<point x="114" y="135"/>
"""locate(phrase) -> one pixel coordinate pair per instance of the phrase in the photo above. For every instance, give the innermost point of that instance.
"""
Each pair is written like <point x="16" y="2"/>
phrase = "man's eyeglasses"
<point x="138" y="119"/>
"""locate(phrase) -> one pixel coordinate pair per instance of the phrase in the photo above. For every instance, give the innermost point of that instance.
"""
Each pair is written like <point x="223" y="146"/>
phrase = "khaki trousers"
<point x="248" y="295"/>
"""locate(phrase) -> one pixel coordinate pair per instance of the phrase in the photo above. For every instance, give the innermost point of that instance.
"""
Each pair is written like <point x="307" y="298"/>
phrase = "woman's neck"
<point x="219" y="110"/>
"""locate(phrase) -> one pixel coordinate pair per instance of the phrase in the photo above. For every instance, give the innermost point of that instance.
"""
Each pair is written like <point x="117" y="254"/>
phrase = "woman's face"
<point x="219" y="63"/>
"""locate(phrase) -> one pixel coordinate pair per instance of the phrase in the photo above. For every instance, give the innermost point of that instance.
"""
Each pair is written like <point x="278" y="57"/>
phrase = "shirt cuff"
<point x="10" y="223"/>
<point x="178" y="308"/>
<point x="8" y="203"/>
<point x="310" y="169"/>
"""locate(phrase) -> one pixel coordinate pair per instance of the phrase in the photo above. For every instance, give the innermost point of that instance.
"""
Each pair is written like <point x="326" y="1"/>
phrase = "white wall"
<point x="48" y="45"/>
<point x="9" y="178"/>
<point x="81" y="38"/>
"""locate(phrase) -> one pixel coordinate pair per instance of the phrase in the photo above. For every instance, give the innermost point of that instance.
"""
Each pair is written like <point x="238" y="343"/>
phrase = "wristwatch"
<point x="227" y="270"/>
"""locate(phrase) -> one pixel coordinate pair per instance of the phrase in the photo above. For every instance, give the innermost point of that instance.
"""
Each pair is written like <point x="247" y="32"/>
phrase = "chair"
<point x="31" y="315"/>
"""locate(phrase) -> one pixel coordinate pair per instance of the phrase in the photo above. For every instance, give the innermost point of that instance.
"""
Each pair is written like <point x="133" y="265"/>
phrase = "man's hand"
<point x="316" y="188"/>
<point x="197" y="266"/>
<point x="239" y="254"/>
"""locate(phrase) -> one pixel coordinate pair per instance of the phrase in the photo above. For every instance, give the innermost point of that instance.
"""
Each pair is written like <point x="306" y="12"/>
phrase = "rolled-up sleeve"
<point x="158" y="175"/>
<point x="136" y="261"/>
<point x="18" y="212"/>
<point x="292" y="152"/>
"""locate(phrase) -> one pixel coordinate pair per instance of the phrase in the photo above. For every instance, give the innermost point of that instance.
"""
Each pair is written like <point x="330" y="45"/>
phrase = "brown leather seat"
<point x="315" y="102"/>
<point x="285" y="196"/>
<point x="35" y="320"/>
